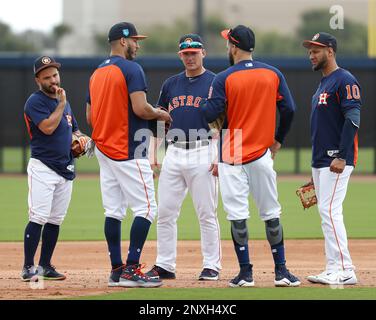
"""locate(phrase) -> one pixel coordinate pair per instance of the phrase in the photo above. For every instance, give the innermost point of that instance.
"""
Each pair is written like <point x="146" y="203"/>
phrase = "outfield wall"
<point x="17" y="83"/>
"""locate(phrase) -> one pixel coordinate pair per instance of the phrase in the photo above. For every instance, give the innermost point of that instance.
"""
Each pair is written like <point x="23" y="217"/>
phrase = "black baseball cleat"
<point x="27" y="273"/>
<point x="49" y="273"/>
<point x="159" y="273"/>
<point x="243" y="279"/>
<point x="133" y="277"/>
<point x="283" y="278"/>
<point x="113" y="280"/>
<point x="209" y="274"/>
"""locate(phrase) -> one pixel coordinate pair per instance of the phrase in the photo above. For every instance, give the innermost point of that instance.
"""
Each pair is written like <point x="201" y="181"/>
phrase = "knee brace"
<point x="239" y="232"/>
<point x="274" y="232"/>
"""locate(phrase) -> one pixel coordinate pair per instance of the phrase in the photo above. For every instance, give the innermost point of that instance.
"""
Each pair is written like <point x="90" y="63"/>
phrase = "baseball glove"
<point x="307" y="195"/>
<point x="79" y="142"/>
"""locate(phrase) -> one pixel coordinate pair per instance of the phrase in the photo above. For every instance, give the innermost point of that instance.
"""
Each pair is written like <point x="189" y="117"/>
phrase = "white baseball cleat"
<point x="346" y="277"/>
<point x="323" y="277"/>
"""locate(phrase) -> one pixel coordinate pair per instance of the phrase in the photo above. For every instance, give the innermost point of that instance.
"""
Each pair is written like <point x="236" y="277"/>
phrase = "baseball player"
<point x="335" y="119"/>
<point x="187" y="165"/>
<point x="251" y="92"/>
<point x="50" y="123"/>
<point x="118" y="112"/>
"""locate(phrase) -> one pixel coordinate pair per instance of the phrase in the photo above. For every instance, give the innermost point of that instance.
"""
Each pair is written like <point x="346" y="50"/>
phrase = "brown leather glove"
<point x="79" y="141"/>
<point x="307" y="195"/>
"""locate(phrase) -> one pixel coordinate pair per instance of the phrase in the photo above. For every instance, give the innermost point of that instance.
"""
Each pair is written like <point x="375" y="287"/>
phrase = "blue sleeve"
<point x="347" y="138"/>
<point x="68" y="109"/>
<point x="216" y="102"/>
<point x="135" y="77"/>
<point x="74" y="123"/>
<point x="36" y="110"/>
<point x="163" y="100"/>
<point x="286" y="107"/>
<point x="88" y="97"/>
<point x="349" y="95"/>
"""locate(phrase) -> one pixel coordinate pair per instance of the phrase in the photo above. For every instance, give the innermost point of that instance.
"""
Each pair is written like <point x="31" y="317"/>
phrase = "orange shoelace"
<point x="139" y="268"/>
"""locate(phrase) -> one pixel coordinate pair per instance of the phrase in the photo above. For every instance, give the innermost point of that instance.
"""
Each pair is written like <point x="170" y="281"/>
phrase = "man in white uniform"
<point x="335" y="119"/>
<point x="187" y="164"/>
<point x="250" y="92"/>
<point x="50" y="122"/>
<point x="118" y="112"/>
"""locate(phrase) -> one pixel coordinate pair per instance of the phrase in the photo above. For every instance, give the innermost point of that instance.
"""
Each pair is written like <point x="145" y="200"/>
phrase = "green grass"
<point x="323" y="293"/>
<point x="85" y="222"/>
<point x="285" y="162"/>
<point x="85" y="216"/>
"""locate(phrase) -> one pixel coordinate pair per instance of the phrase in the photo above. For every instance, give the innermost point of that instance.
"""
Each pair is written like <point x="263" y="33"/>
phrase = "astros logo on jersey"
<point x="323" y="97"/>
<point x="180" y="101"/>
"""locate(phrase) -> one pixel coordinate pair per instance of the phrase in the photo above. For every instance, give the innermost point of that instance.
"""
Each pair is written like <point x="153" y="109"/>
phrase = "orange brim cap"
<point x="139" y="37"/>
<point x="190" y="50"/>
<point x="308" y="43"/>
<point x="224" y="33"/>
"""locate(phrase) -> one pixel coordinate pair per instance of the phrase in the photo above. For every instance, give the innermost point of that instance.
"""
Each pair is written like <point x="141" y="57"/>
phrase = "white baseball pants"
<point x="188" y="170"/>
<point x="331" y="190"/>
<point x="49" y="194"/>
<point x="259" y="179"/>
<point x="127" y="184"/>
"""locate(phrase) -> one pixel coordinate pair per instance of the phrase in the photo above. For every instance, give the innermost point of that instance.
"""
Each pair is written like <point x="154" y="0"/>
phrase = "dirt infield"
<point x="86" y="265"/>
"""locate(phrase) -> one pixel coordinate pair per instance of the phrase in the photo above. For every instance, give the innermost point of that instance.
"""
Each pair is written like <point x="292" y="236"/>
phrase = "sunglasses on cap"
<point x="189" y="45"/>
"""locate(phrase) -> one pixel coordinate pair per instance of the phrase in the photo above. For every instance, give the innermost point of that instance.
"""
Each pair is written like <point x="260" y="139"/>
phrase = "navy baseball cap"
<point x="190" y="42"/>
<point x="44" y="62"/>
<point x="322" y="39"/>
<point x="124" y="30"/>
<point x="241" y="36"/>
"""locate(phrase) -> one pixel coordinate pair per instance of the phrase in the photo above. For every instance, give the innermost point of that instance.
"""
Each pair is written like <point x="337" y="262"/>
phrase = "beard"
<point x="322" y="64"/>
<point x="231" y="59"/>
<point x="50" y="89"/>
<point x="129" y="54"/>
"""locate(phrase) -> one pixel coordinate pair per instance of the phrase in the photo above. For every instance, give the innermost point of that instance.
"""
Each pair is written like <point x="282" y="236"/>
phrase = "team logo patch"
<point x="189" y="40"/>
<point x="126" y="32"/>
<point x="323" y="97"/>
<point x="316" y="36"/>
<point x="46" y="60"/>
<point x="332" y="153"/>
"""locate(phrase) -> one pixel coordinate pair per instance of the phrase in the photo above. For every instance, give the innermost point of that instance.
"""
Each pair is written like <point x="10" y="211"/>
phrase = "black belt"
<point x="189" y="144"/>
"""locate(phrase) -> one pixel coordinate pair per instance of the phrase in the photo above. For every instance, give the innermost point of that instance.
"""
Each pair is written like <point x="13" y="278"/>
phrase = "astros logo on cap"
<point x="46" y="60"/>
<point x="188" y="40"/>
<point x="316" y="36"/>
